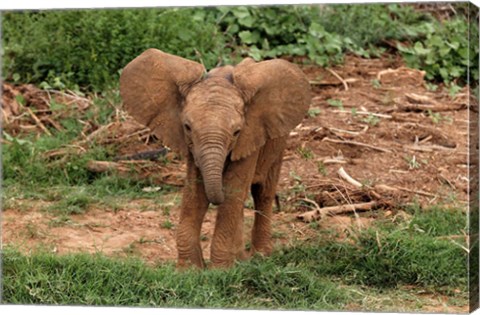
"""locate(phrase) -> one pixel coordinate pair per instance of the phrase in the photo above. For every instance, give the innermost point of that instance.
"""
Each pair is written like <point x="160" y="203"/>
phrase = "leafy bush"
<point x="385" y="22"/>
<point x="444" y="54"/>
<point x="268" y="32"/>
<point x="88" y="47"/>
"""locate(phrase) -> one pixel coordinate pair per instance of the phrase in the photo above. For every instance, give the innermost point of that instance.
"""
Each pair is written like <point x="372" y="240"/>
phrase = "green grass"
<point x="394" y="259"/>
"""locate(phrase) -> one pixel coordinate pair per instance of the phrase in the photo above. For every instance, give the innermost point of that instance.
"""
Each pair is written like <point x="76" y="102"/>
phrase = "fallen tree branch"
<point x="395" y="188"/>
<point x="139" y="169"/>
<point x="319" y="213"/>
<point x="353" y="133"/>
<point x="357" y="144"/>
<point x="145" y="155"/>
<point x="316" y="82"/>
<point x="365" y="113"/>
<point x="333" y="161"/>
<point x="336" y="75"/>
<point x="429" y="107"/>
<point x="343" y="174"/>
<point x="37" y="121"/>
<point x="428" y="148"/>
<point x="401" y="69"/>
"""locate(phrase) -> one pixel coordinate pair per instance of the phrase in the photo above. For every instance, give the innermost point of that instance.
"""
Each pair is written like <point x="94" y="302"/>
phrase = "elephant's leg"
<point x="193" y="209"/>
<point x="228" y="243"/>
<point x="263" y="194"/>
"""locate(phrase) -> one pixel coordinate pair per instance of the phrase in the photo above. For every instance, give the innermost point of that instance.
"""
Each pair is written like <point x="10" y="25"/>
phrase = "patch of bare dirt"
<point x="149" y="234"/>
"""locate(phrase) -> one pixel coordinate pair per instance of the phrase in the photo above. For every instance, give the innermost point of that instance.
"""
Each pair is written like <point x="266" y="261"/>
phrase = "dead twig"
<point x="357" y="144"/>
<point x="318" y="213"/>
<point x="315" y="82"/>
<point x="38" y="121"/>
<point x="145" y="155"/>
<point x="333" y="161"/>
<point x="401" y="69"/>
<point x="336" y="75"/>
<point x="54" y="123"/>
<point x="428" y="148"/>
<point x="353" y="133"/>
<point x="343" y="174"/>
<point x="363" y="113"/>
<point x="395" y="188"/>
<point x="429" y="107"/>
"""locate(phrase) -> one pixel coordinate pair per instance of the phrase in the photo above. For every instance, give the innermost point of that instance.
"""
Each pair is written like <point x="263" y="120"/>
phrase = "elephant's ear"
<point x="152" y="87"/>
<point x="277" y="96"/>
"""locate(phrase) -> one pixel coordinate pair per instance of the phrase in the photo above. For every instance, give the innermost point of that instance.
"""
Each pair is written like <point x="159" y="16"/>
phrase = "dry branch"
<point x="336" y="75"/>
<point x="428" y="148"/>
<point x="401" y="69"/>
<point x="419" y="99"/>
<point x="429" y="107"/>
<point x="38" y="121"/>
<point x="394" y="189"/>
<point x="418" y="102"/>
<point x="318" y="213"/>
<point x="349" y="80"/>
<point x="145" y="155"/>
<point x="333" y="161"/>
<point x="363" y="113"/>
<point x="140" y="170"/>
<point x="353" y="133"/>
<point x="357" y="144"/>
<point x="343" y="174"/>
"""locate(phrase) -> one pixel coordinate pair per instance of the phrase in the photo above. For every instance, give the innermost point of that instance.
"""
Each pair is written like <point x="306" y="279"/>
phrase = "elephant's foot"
<point x="183" y="264"/>
<point x="265" y="248"/>
<point x="190" y="258"/>
<point x="227" y="259"/>
<point x="244" y="255"/>
<point x="222" y="263"/>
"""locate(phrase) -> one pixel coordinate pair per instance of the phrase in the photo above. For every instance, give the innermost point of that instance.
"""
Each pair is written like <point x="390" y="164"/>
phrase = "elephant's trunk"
<point x="212" y="155"/>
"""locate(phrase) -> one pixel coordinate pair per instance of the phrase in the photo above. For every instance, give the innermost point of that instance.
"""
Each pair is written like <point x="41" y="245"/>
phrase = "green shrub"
<point x="385" y="22"/>
<point x="87" y="48"/>
<point x="444" y="54"/>
<point x="271" y="31"/>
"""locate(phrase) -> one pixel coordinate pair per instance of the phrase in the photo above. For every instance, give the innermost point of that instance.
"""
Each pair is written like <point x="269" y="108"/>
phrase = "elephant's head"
<point x="228" y="113"/>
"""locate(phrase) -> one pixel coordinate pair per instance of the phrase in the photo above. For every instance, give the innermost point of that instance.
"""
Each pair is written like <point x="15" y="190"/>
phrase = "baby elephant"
<point x="231" y="125"/>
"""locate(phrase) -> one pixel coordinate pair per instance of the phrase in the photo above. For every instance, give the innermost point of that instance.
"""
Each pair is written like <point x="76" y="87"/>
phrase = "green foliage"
<point x="313" y="112"/>
<point x="305" y="153"/>
<point x="88" y="48"/>
<point x="372" y="120"/>
<point x="385" y="22"/>
<point x="267" y="32"/>
<point x="444" y="54"/>
<point x="335" y="103"/>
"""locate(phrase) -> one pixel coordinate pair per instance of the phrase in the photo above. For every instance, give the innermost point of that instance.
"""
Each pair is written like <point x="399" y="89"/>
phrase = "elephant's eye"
<point x="236" y="133"/>
<point x="187" y="127"/>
